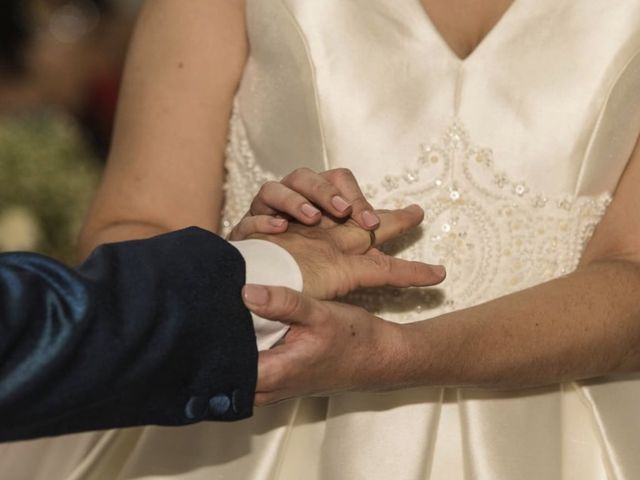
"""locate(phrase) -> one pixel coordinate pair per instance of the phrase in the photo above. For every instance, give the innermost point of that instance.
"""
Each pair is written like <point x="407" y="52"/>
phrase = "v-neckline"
<point x="493" y="32"/>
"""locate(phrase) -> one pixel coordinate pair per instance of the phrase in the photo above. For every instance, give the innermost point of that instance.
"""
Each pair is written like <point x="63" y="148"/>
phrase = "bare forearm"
<point x="165" y="169"/>
<point x="583" y="325"/>
<point x="117" y="232"/>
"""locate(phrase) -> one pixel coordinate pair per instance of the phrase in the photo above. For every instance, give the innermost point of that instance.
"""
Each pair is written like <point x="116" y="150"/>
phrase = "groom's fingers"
<point x="276" y="198"/>
<point x="361" y="210"/>
<point x="258" y="224"/>
<point x="280" y="303"/>
<point x="383" y="270"/>
<point x="268" y="363"/>
<point x="319" y="190"/>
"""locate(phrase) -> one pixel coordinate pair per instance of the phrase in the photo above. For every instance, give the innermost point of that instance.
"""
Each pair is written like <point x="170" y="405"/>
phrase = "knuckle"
<point x="233" y="234"/>
<point x="242" y="226"/>
<point x="291" y="304"/>
<point x="256" y="202"/>
<point x="344" y="173"/>
<point x="292" y="200"/>
<point x="236" y="229"/>
<point x="322" y="315"/>
<point x="298" y="175"/>
<point x="361" y="203"/>
<point x="271" y="382"/>
<point x="266" y="188"/>
<point x="258" y="205"/>
<point x="304" y="171"/>
<point x="323" y="188"/>
<point x="340" y="243"/>
<point x="384" y="263"/>
<point x="245" y="226"/>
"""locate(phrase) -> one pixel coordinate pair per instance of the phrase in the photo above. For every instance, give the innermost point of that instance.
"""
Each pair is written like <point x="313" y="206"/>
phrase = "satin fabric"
<point x="528" y="138"/>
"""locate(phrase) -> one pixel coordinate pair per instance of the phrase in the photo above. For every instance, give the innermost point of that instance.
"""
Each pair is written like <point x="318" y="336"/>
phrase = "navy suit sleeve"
<point x="144" y="332"/>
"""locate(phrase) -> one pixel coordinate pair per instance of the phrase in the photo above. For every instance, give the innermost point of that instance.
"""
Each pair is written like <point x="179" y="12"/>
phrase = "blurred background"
<point x="60" y="67"/>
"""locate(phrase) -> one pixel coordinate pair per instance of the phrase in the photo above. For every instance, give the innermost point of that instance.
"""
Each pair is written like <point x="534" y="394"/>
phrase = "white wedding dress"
<point x="514" y="153"/>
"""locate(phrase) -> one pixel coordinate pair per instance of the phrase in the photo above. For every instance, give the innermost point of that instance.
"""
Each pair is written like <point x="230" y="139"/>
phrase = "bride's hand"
<point x="305" y="195"/>
<point x="338" y="257"/>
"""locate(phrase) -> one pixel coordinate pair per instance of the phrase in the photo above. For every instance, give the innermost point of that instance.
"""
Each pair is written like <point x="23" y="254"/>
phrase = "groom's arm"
<point x="144" y="332"/>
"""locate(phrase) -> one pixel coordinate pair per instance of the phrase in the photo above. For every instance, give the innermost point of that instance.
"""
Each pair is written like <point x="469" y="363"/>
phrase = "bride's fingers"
<point x="395" y="223"/>
<point x="361" y="210"/>
<point x="382" y="270"/>
<point x="274" y="198"/>
<point x="350" y="238"/>
<point x="320" y="191"/>
<point x="258" y="224"/>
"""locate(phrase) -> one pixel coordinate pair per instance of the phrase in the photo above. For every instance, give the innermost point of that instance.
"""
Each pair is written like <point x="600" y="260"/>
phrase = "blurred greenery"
<point x="47" y="174"/>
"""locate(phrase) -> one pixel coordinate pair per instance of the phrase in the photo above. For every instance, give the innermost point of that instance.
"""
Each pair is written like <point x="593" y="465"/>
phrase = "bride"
<point x="513" y="124"/>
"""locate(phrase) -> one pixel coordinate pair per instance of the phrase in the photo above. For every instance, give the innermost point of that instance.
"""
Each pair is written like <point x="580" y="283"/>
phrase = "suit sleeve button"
<point x="196" y="408"/>
<point x="219" y="404"/>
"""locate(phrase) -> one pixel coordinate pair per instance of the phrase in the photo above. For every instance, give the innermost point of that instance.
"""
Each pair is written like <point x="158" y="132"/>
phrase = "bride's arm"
<point x="585" y="324"/>
<point x="165" y="169"/>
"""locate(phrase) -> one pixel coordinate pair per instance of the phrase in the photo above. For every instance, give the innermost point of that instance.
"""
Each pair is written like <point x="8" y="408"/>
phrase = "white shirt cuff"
<point x="271" y="265"/>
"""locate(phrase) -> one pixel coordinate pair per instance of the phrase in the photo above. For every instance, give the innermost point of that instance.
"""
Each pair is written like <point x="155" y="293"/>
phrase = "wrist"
<point x="412" y="355"/>
<point x="435" y="353"/>
<point x="392" y="369"/>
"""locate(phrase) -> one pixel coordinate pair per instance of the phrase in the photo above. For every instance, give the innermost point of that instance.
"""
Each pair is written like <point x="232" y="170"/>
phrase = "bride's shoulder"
<point x="203" y="10"/>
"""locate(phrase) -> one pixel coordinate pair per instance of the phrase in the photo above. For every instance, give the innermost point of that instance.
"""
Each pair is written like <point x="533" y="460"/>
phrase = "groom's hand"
<point x="305" y="196"/>
<point x="337" y="258"/>
<point x="330" y="347"/>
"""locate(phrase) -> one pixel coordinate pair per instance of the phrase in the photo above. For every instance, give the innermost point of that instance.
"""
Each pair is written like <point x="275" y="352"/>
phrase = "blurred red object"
<point x="100" y="108"/>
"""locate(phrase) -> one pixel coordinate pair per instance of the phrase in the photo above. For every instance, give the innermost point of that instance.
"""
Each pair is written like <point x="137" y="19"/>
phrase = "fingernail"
<point x="340" y="203"/>
<point x="277" y="222"/>
<point x="370" y="219"/>
<point x="439" y="270"/>
<point x="255" y="295"/>
<point x="309" y="210"/>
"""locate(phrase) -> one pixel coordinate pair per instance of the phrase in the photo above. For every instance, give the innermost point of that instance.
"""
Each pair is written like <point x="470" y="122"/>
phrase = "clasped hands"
<point x="324" y="221"/>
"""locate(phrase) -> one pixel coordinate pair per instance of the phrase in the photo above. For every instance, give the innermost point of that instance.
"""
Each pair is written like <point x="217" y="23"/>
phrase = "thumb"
<point x="278" y="303"/>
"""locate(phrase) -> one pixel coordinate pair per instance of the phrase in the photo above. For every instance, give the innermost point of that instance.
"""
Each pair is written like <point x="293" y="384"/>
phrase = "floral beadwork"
<point x="494" y="234"/>
<point x="244" y="175"/>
